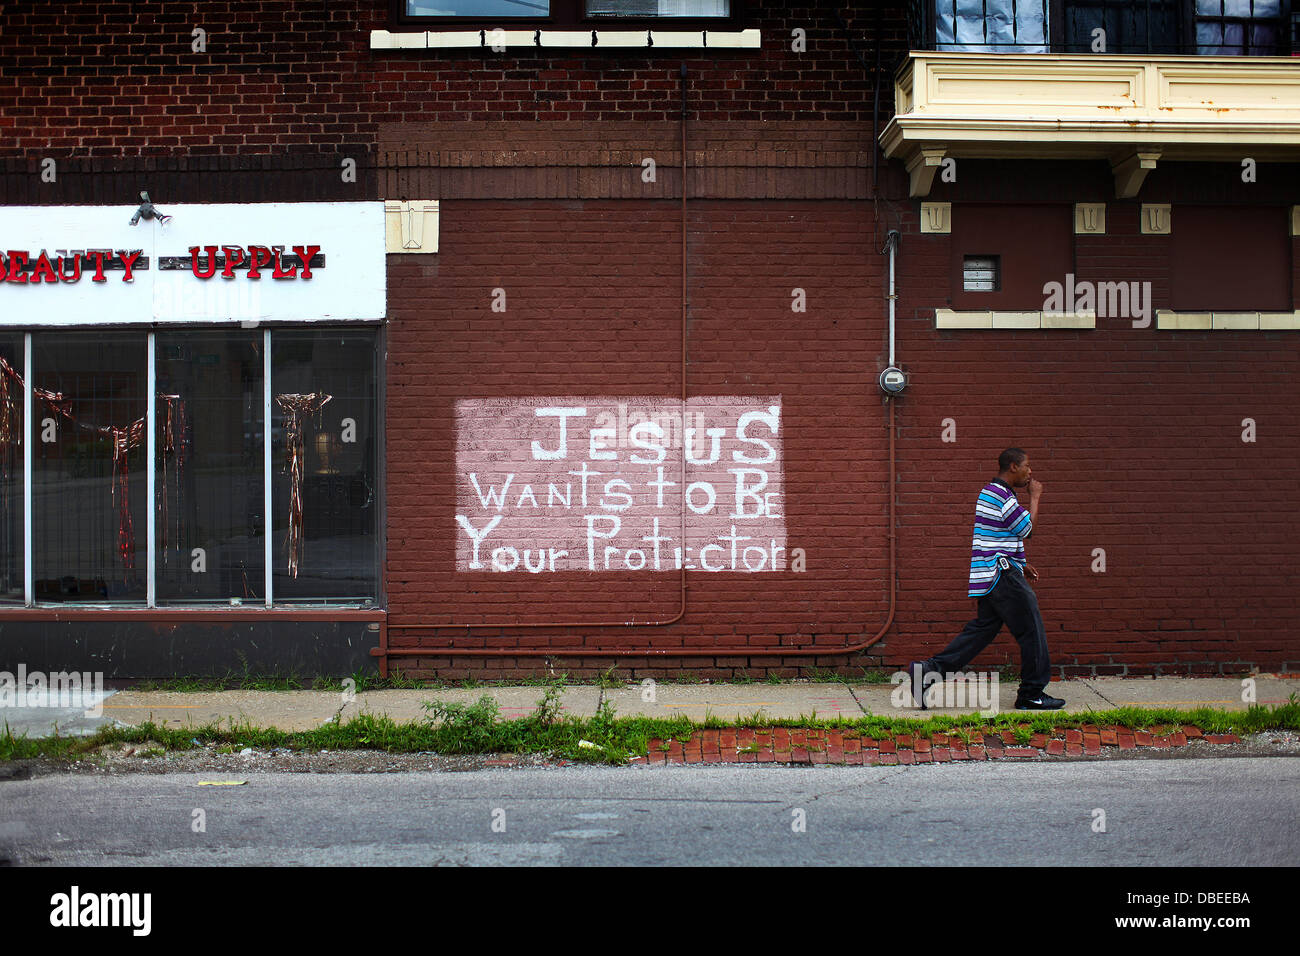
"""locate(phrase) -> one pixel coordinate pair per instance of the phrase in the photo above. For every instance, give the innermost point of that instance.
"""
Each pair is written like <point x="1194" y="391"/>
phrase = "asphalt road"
<point x="1223" y="812"/>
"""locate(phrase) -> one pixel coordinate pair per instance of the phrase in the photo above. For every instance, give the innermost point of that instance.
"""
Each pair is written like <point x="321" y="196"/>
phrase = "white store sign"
<point x="237" y="262"/>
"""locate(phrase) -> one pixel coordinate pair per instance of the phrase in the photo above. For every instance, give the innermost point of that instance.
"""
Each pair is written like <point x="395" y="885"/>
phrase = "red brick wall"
<point x="1136" y="434"/>
<point x="593" y="308"/>
<point x="120" y="78"/>
<point x="1137" y="437"/>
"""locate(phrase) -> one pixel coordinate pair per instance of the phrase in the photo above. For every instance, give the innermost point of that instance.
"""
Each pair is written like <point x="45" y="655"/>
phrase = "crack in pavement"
<point x="856" y="785"/>
<point x="1088" y="685"/>
<point x="865" y="712"/>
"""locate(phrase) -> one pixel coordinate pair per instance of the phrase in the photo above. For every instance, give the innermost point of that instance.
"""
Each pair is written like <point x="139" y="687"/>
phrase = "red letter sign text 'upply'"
<point x="258" y="258"/>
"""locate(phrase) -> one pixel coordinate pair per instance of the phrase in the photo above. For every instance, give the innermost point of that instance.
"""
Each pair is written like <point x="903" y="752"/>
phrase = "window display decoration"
<point x="125" y="440"/>
<point x="173" y="423"/>
<point x="295" y="406"/>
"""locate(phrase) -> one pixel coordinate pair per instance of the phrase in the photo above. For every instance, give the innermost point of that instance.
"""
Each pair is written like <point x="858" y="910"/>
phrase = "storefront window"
<point x="11" y="469"/>
<point x="325" y="490"/>
<point x="209" y="468"/>
<point x="88" y="470"/>
<point x="90" y="497"/>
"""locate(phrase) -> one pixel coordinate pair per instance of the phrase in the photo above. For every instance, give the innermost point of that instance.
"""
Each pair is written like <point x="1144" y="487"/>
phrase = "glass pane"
<point x="1209" y="37"/>
<point x="658" y="8"/>
<point x="478" y="8"/>
<point x="1148" y="27"/>
<point x="209" y="477"/>
<point x="998" y="26"/>
<point x="324" y="457"/>
<point x="88" y="479"/>
<point x="1265" y="39"/>
<point x="11" y="469"/>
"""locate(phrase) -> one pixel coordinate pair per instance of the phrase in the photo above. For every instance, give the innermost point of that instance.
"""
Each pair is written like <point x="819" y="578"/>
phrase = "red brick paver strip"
<point x="1021" y="752"/>
<point x="816" y="746"/>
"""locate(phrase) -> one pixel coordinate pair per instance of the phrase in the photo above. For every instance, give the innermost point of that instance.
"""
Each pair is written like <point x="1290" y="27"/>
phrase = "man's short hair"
<point x="1012" y="456"/>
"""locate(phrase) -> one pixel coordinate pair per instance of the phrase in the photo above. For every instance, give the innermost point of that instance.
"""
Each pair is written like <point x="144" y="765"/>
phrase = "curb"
<point x="797" y="746"/>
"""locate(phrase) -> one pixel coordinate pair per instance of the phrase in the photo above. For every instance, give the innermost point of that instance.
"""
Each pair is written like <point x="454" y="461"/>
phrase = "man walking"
<point x="998" y="573"/>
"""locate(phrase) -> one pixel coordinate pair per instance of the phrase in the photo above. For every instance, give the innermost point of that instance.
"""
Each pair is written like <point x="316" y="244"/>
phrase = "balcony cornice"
<point x="1132" y="111"/>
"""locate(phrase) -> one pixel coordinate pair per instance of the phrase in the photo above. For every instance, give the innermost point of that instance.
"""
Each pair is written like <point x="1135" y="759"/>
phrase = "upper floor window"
<point x="1002" y="26"/>
<point x="658" y="8"/>
<point x="1207" y="27"/>
<point x="559" y="13"/>
<point x="485" y="9"/>
<point x="1249" y="27"/>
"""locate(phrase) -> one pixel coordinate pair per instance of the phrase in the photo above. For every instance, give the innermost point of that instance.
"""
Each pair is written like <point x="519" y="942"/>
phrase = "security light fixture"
<point x="148" y="210"/>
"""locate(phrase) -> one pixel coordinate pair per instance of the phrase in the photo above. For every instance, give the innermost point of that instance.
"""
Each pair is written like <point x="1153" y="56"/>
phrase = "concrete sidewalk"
<point x="305" y="709"/>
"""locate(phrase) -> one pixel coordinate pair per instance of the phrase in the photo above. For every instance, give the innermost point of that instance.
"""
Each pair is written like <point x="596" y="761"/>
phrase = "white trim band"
<point x="558" y="39"/>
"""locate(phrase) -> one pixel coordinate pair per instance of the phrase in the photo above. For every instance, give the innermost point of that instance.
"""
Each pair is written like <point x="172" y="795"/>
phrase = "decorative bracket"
<point x="936" y="217"/>
<point x="922" y="167"/>
<point x="1131" y="171"/>
<point x="1156" y="219"/>
<point x="411" y="226"/>
<point x="1090" y="219"/>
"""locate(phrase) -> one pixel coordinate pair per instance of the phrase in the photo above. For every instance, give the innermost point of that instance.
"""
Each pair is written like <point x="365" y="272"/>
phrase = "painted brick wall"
<point x="1137" y="437"/>
<point x="1136" y="434"/>
<point x="593" y="308"/>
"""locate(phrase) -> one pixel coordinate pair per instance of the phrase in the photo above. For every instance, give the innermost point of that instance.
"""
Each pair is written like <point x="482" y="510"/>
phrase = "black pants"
<point x="1011" y="602"/>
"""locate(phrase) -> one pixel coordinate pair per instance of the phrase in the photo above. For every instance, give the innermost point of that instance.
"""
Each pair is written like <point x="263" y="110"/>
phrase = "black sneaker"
<point x="1039" y="701"/>
<point x="916" y="670"/>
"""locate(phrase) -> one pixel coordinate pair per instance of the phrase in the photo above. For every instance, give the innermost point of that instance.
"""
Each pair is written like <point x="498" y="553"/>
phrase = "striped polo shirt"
<point x="1001" y="525"/>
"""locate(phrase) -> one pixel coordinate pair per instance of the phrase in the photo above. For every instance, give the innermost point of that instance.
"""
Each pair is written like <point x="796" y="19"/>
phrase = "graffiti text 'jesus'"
<point x="547" y="481"/>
